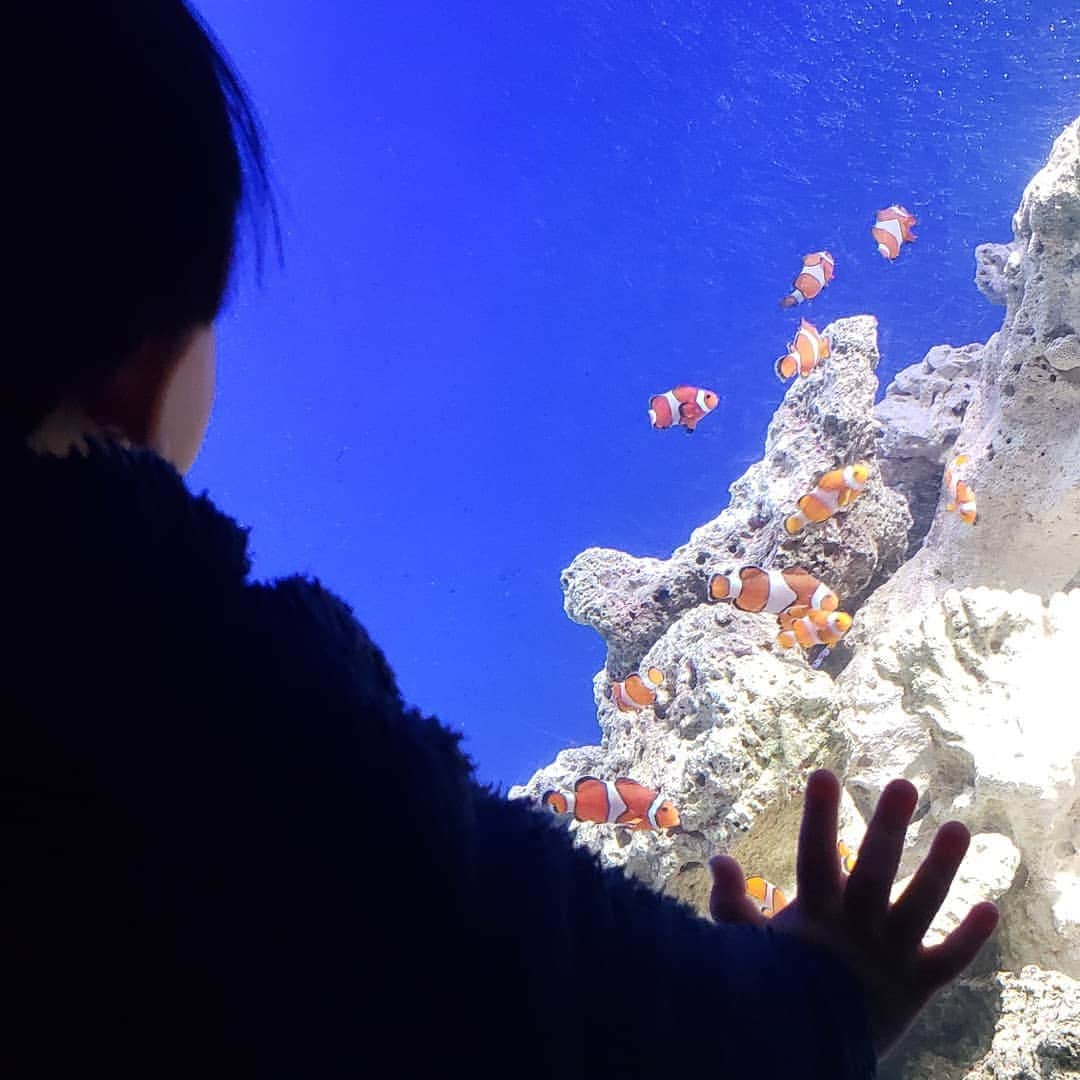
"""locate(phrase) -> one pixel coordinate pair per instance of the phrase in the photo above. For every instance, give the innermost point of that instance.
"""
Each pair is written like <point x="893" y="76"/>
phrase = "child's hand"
<point x="851" y="915"/>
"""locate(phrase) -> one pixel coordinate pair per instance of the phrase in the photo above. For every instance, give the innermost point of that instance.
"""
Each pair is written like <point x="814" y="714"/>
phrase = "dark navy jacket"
<point x="230" y="849"/>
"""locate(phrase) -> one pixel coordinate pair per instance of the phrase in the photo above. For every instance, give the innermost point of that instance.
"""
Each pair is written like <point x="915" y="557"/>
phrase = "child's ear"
<point x="185" y="401"/>
<point x="160" y="397"/>
<point x="128" y="400"/>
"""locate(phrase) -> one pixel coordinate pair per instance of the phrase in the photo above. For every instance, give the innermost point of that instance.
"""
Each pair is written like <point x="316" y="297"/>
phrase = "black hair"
<point x="132" y="150"/>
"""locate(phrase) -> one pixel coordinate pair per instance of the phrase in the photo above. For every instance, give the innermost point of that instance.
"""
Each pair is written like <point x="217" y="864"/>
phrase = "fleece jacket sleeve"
<point x="482" y="914"/>
<point x="627" y="980"/>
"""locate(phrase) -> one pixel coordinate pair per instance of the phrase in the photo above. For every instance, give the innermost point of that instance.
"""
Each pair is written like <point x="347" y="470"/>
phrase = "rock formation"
<point x="1021" y="1025"/>
<point x="1013" y="406"/>
<point x="823" y="422"/>
<point x="956" y="674"/>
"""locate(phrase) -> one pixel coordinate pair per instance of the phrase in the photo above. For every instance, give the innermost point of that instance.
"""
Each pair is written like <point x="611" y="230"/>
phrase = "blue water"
<point x="507" y="225"/>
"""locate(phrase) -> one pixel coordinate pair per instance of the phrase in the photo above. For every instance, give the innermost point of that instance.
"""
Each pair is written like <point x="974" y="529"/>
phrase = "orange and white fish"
<point x="812" y="628"/>
<point x="774" y="591"/>
<point x="766" y="895"/>
<point x="892" y="230"/>
<point x="961" y="497"/>
<point x="848" y="857"/>
<point x="835" y="490"/>
<point x="685" y="405"/>
<point x="805" y="353"/>
<point x="614" y="802"/>
<point x="635" y="693"/>
<point x="817" y="271"/>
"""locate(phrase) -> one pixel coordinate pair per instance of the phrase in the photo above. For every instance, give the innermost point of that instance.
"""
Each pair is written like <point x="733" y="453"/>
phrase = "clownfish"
<point x="817" y="271"/>
<point x="961" y="497"/>
<point x="892" y="230"/>
<point x="774" y="591"/>
<point x="766" y="895"/>
<point x="684" y="405"/>
<point x="812" y="628"/>
<point x="635" y="693"/>
<point x="614" y="802"/>
<point x="834" y="491"/>
<point x="847" y="856"/>
<point x="805" y="353"/>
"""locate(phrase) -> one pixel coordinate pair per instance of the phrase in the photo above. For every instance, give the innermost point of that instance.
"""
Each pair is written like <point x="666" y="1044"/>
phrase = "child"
<point x="229" y="847"/>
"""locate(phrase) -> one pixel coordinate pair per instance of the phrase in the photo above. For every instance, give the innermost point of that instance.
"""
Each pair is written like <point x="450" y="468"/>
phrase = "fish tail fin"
<point x="794" y="524"/>
<point x="787" y="302"/>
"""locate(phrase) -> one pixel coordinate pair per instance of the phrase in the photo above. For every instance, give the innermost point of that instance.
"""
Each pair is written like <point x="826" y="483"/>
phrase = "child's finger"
<point x="914" y="911"/>
<point x="866" y="895"/>
<point x="728" y="901"/>
<point x="817" y="868"/>
<point x="942" y="963"/>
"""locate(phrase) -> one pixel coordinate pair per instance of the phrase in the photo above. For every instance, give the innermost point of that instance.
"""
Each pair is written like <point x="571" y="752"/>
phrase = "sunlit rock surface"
<point x="1019" y="395"/>
<point x="958" y="672"/>
<point x="970" y="698"/>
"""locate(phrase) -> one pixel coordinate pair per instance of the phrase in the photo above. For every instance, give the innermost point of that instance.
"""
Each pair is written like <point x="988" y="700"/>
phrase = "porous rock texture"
<point x="990" y="260"/>
<point x="958" y="672"/>
<point x="1005" y="1025"/>
<point x="970" y="698"/>
<point x="1013" y="406"/>
<point x="921" y="415"/>
<point x="824" y="421"/>
<point x="1038" y="1028"/>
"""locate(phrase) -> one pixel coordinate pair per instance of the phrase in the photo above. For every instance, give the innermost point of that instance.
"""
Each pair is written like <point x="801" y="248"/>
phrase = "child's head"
<point x="131" y="148"/>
